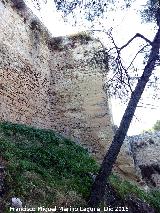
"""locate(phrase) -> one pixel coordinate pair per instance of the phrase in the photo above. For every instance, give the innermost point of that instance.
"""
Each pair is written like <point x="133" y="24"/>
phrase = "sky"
<point x="125" y="23"/>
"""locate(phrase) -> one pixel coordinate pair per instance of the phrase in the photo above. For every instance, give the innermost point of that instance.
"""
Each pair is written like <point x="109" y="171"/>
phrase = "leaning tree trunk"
<point x="98" y="187"/>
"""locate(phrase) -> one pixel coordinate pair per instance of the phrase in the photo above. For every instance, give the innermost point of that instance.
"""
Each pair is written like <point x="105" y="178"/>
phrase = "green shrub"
<point x="156" y="126"/>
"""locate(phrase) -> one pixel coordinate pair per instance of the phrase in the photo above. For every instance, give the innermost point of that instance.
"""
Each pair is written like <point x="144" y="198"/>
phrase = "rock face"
<point x="145" y="149"/>
<point x="136" y="205"/>
<point x="130" y="204"/>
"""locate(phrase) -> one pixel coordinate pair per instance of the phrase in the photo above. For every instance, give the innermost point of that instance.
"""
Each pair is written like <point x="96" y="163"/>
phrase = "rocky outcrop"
<point x="130" y="204"/>
<point x="145" y="150"/>
<point x="136" y="205"/>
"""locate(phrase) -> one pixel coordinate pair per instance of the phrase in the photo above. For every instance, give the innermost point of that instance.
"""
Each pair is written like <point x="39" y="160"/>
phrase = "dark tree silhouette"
<point x="98" y="188"/>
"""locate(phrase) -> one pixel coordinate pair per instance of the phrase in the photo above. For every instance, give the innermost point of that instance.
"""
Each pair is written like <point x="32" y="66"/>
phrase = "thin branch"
<point x="110" y="35"/>
<point x="146" y="107"/>
<point x="136" y="118"/>
<point x="122" y="75"/>
<point x="137" y="35"/>
<point x="136" y="56"/>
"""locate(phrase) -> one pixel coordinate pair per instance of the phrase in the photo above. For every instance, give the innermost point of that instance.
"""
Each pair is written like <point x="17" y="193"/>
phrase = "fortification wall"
<point x="50" y="82"/>
<point x="55" y="83"/>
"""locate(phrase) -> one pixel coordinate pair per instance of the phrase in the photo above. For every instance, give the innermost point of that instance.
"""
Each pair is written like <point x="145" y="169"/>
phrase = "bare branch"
<point x="136" y="56"/>
<point x="121" y="82"/>
<point x="137" y="35"/>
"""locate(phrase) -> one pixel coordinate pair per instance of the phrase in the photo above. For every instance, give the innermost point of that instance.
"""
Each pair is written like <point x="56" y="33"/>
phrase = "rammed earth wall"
<point x="52" y="82"/>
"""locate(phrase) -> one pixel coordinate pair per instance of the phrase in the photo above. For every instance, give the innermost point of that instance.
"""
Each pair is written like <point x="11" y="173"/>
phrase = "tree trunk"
<point x="98" y="187"/>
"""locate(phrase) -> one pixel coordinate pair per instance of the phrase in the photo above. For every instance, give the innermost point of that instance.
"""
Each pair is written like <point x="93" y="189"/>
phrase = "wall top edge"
<point x="35" y="24"/>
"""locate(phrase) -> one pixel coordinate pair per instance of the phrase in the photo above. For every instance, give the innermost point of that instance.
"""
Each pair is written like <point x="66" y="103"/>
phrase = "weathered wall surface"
<point x="145" y="149"/>
<point x="52" y="83"/>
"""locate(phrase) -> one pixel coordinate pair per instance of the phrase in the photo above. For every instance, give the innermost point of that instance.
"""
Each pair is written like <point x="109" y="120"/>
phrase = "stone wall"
<point x="50" y="82"/>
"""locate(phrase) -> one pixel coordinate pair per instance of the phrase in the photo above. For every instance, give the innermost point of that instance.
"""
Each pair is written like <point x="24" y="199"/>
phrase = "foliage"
<point x="149" y="11"/>
<point x="156" y="126"/>
<point x="41" y="164"/>
<point x="93" y="9"/>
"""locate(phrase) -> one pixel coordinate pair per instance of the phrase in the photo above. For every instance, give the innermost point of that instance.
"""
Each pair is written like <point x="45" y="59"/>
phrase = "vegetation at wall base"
<point x="43" y="168"/>
<point x="125" y="189"/>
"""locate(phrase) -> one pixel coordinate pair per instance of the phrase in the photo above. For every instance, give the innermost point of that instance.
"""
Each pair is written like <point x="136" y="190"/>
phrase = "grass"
<point x="43" y="168"/>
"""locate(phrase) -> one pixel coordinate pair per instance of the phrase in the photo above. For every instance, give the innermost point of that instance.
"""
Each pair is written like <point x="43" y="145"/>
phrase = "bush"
<point x="156" y="126"/>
